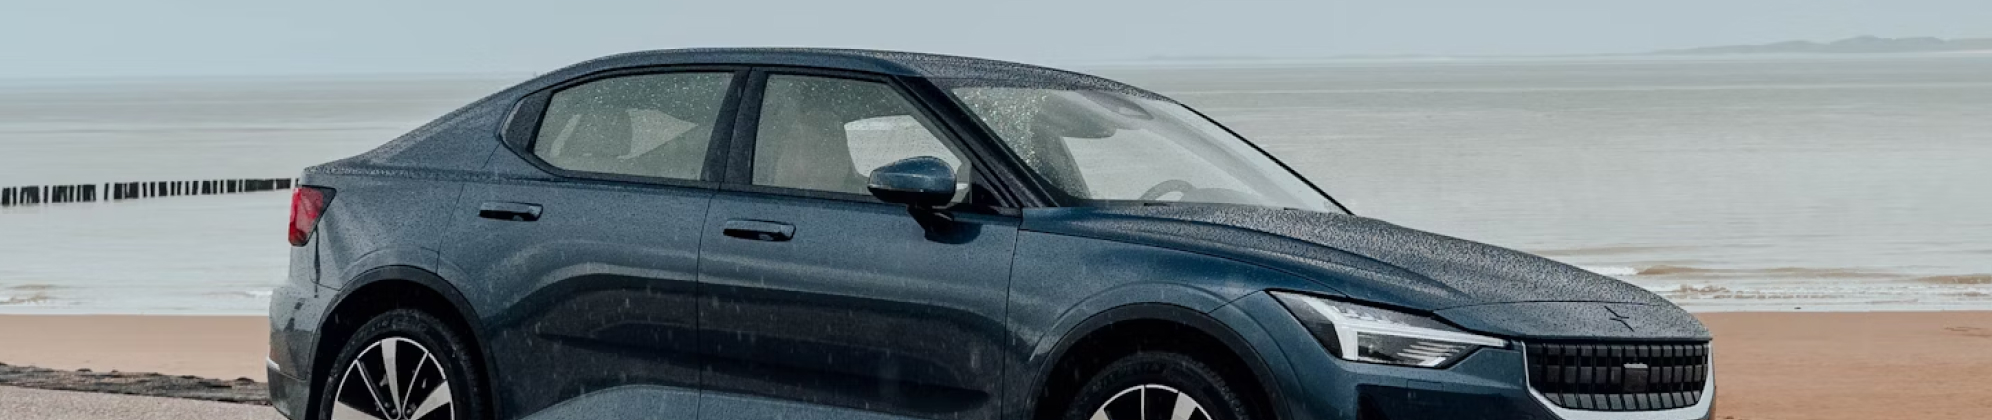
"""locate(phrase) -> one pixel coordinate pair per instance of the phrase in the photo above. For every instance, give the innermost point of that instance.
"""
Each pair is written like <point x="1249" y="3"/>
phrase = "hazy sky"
<point x="124" y="38"/>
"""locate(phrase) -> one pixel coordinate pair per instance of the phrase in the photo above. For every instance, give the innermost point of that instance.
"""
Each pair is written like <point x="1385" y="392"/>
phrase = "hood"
<point x="1361" y="258"/>
<point x="1579" y="321"/>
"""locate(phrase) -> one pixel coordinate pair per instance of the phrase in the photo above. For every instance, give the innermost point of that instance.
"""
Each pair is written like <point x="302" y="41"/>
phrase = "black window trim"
<point x="739" y="175"/>
<point x="522" y="126"/>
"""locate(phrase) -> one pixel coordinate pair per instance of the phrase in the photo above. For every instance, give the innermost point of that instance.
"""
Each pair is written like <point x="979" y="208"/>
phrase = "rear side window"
<point x="654" y="125"/>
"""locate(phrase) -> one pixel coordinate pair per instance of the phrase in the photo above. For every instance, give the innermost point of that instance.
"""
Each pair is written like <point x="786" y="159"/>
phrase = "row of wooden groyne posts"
<point x="84" y="193"/>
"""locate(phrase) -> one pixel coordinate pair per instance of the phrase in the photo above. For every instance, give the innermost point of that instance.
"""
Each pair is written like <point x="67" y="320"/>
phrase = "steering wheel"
<point x="1173" y="185"/>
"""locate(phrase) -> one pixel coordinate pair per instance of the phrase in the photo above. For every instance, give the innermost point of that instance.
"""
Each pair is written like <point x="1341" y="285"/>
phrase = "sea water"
<point x="1807" y="183"/>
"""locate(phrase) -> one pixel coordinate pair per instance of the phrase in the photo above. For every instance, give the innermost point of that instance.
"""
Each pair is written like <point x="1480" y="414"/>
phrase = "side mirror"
<point x="924" y="182"/>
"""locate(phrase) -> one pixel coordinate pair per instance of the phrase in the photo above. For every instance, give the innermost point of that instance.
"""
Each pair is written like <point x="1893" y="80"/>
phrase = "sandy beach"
<point x="1821" y="366"/>
<point x="225" y="347"/>
<point x="1772" y="366"/>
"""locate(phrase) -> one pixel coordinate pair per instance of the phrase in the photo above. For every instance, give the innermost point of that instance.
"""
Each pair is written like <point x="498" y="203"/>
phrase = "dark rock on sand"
<point x="240" y="390"/>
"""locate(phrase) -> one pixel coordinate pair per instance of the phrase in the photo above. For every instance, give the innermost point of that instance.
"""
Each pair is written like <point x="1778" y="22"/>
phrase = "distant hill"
<point x="1863" y="44"/>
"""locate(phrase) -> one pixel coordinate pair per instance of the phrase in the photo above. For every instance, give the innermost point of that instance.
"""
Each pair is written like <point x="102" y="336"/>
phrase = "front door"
<point x="822" y="302"/>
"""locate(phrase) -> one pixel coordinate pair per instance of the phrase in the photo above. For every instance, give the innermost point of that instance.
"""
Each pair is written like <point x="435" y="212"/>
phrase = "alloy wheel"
<point x="394" y="379"/>
<point x="1151" y="402"/>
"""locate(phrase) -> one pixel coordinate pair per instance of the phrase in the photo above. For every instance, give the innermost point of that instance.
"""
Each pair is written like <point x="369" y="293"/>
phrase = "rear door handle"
<point x="518" y="212"/>
<point x="759" y="230"/>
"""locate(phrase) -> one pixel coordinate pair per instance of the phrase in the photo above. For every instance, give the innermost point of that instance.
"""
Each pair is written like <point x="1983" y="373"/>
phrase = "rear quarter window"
<point x="654" y="125"/>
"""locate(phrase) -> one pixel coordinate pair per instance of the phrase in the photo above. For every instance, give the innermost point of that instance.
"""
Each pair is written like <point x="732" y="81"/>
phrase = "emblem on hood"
<point x="1621" y="319"/>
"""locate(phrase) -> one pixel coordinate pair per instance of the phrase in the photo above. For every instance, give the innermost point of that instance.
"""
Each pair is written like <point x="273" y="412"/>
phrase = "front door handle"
<point x="517" y="212"/>
<point x="759" y="230"/>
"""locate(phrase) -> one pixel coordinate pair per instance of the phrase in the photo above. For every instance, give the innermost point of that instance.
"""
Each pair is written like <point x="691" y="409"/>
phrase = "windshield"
<point x="1100" y="146"/>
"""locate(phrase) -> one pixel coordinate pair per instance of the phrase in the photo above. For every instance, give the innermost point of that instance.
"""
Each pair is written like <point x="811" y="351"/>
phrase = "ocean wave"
<point x="34" y="299"/>
<point x="1612" y="270"/>
<point x="1868" y="293"/>
<point x="253" y="294"/>
<point x="1958" y="279"/>
<point x="1710" y="291"/>
<point x="1605" y="250"/>
<point x="1685" y="271"/>
<point x="34" y="287"/>
<point x="1777" y="272"/>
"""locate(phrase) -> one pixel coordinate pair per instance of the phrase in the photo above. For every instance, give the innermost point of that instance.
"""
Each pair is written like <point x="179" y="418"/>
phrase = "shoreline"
<point x="1772" y="365"/>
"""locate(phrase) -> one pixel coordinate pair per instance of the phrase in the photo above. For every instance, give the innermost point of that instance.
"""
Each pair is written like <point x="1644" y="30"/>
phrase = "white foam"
<point x="1612" y="270"/>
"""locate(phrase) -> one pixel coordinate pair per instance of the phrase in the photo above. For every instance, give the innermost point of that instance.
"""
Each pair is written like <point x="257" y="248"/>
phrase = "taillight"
<point x="307" y="204"/>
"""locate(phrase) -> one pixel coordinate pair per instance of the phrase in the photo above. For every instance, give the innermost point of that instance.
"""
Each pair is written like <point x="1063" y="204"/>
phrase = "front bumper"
<point x="1490" y="384"/>
<point x="1493" y="386"/>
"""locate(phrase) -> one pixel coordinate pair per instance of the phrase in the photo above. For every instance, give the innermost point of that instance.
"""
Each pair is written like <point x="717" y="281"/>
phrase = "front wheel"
<point x="1158" y="386"/>
<point x="403" y="365"/>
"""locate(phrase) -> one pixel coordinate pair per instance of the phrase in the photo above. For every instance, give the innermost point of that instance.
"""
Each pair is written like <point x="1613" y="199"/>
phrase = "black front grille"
<point x="1619" y="377"/>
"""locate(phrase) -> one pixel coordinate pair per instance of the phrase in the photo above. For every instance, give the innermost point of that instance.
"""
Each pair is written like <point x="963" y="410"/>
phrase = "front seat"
<point x="804" y="146"/>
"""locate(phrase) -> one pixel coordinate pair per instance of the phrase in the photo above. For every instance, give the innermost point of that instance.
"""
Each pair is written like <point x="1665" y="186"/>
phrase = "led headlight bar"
<point x="1376" y="335"/>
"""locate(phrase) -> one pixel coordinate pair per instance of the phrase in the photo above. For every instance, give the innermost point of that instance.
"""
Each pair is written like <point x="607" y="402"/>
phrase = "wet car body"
<point x="591" y="295"/>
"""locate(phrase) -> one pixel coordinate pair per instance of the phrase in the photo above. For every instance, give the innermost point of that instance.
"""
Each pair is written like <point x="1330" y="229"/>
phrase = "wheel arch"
<point x="379" y="290"/>
<point x="1091" y="344"/>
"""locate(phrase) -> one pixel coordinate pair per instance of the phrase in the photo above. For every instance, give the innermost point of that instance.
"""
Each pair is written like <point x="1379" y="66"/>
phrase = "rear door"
<point x="821" y="301"/>
<point x="587" y="256"/>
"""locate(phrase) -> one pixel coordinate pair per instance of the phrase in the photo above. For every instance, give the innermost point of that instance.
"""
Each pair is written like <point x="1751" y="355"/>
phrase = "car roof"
<point x="898" y="63"/>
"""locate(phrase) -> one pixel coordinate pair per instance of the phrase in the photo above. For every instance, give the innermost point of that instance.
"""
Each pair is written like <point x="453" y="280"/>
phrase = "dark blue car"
<point x="842" y="234"/>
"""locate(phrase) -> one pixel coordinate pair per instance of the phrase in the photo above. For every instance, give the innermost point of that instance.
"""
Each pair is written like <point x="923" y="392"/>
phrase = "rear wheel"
<point x="403" y="365"/>
<point x="1157" y="386"/>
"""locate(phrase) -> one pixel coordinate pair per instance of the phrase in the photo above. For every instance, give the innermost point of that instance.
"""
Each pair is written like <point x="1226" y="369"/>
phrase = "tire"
<point x="443" y="384"/>
<point x="1133" y="388"/>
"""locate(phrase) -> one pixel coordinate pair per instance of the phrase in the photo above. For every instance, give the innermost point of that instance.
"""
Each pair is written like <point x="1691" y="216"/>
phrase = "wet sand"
<point x="224" y="347"/>
<point x="1770" y="366"/>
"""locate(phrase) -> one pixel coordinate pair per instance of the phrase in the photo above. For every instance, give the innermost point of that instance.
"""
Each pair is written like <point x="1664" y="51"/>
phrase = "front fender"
<point x="1024" y="388"/>
<point x="1059" y="280"/>
<point x="1065" y="287"/>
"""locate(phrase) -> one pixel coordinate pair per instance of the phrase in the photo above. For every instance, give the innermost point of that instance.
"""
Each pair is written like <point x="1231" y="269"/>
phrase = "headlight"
<point x="1375" y="335"/>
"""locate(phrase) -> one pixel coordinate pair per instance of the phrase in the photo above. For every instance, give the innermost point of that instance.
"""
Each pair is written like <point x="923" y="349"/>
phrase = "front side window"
<point x="1102" y="146"/>
<point x="656" y="125"/>
<point x="828" y="134"/>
